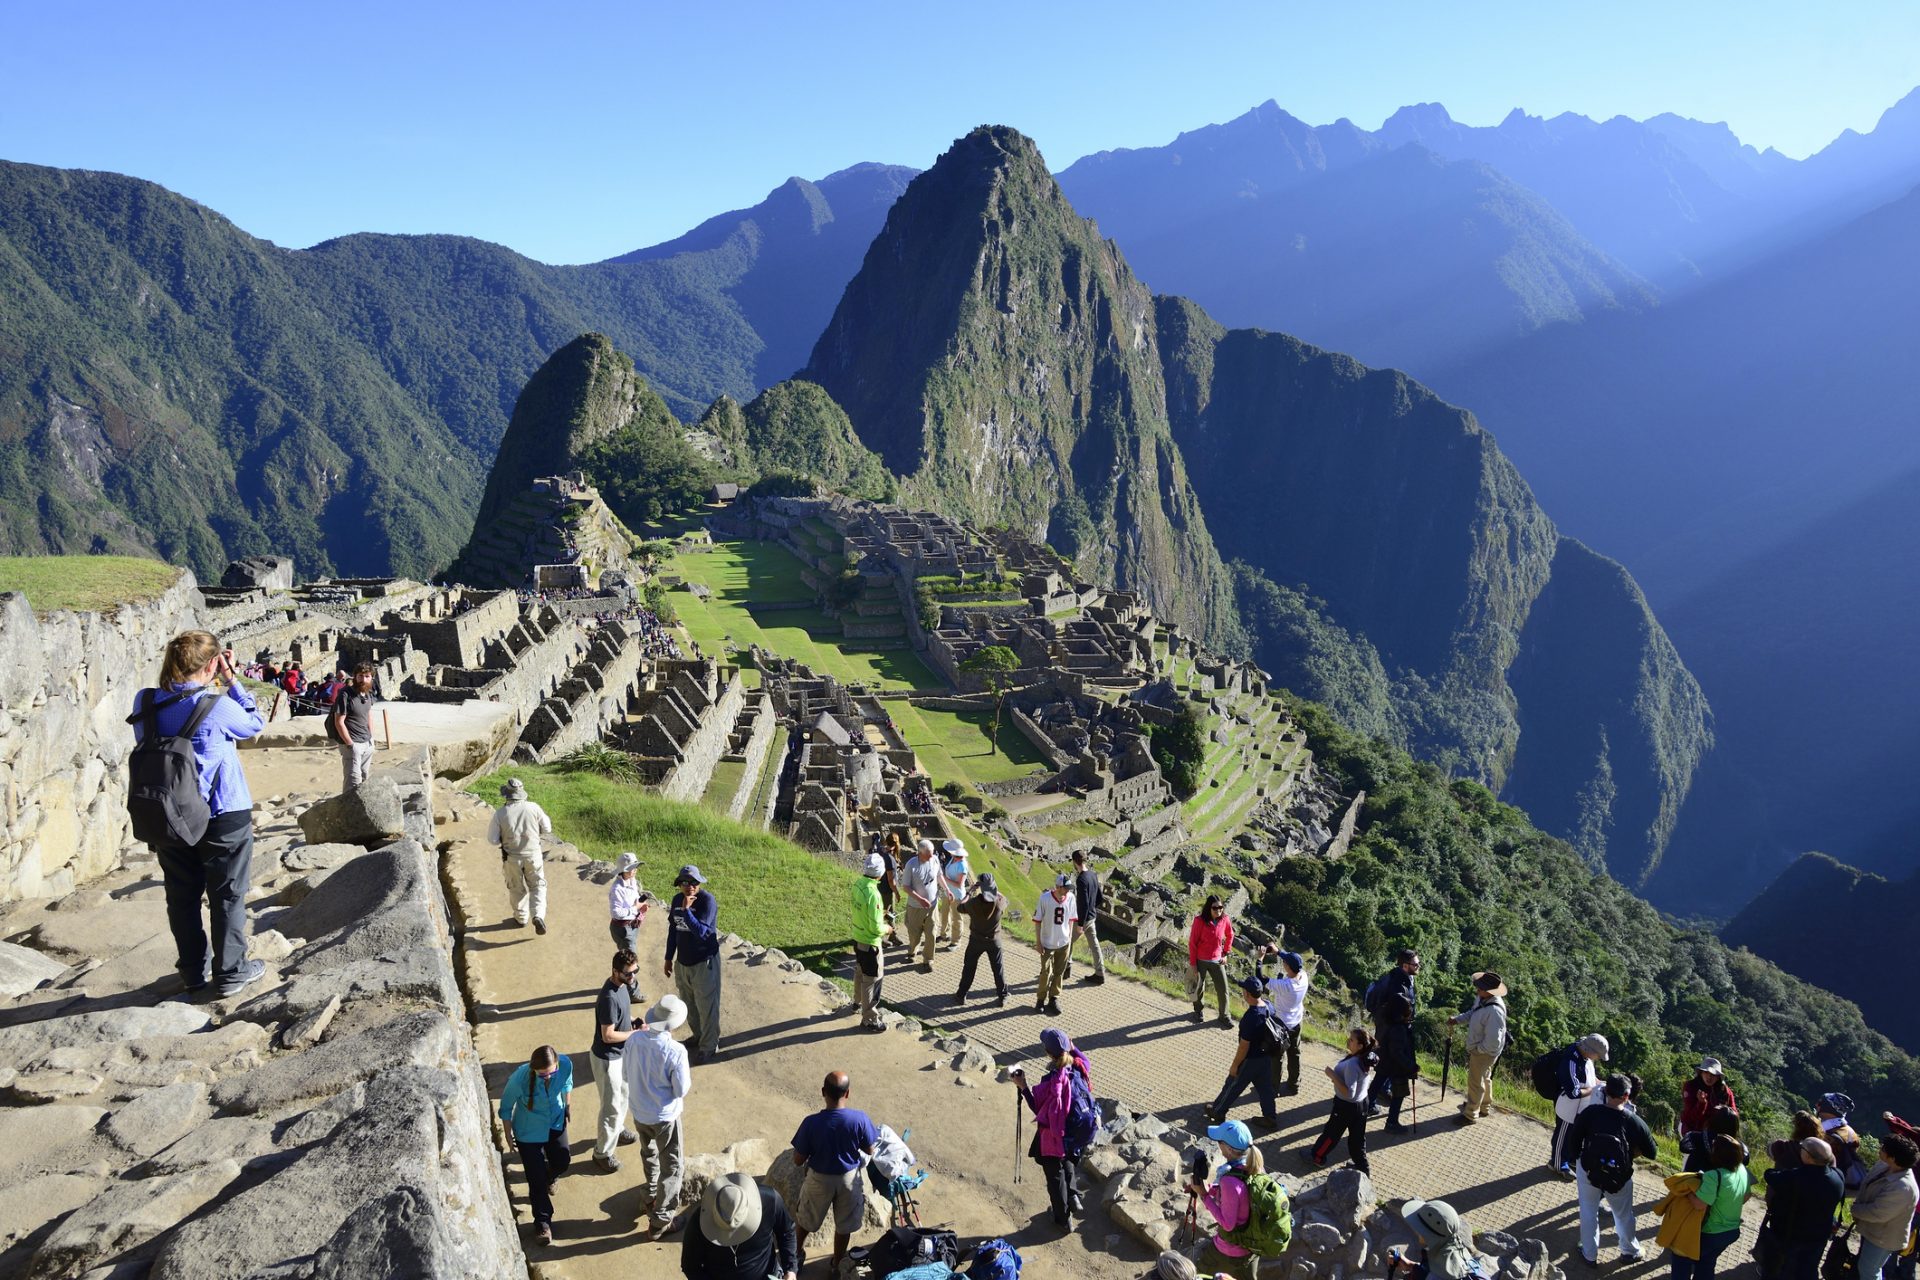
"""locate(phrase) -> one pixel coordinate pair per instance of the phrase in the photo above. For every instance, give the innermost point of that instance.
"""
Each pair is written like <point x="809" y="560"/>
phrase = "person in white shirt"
<point x="627" y="903"/>
<point x="920" y="881"/>
<point x="1056" y="921"/>
<point x="1287" y="991"/>
<point x="517" y="827"/>
<point x="658" y="1078"/>
<point x="954" y="879"/>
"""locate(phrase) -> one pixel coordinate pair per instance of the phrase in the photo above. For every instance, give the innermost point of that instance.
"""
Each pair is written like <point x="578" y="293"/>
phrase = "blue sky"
<point x="574" y="133"/>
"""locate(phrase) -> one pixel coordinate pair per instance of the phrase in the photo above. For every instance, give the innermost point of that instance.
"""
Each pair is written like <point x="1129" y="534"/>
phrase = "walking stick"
<point x="1416" y="1099"/>
<point x="1018" y="1103"/>
<point x="1446" y="1065"/>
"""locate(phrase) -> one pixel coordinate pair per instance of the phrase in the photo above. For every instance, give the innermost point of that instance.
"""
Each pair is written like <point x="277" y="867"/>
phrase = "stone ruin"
<point x="680" y="723"/>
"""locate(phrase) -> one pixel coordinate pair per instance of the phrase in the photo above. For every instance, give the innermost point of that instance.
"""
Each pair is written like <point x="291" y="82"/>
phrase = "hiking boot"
<point x="1394" y="1126"/>
<point x="1097" y="979"/>
<point x="1039" y="1006"/>
<point x="543" y="1233"/>
<point x="1223" y="1021"/>
<point x="628" y="1137"/>
<point x="1000" y="1001"/>
<point x="1269" y="1123"/>
<point x="1464" y="1118"/>
<point x="515" y="921"/>
<point x="1290" y="1088"/>
<point x="539" y="925"/>
<point x="1197" y="1015"/>
<point x="1053" y="1008"/>
<point x="250" y="972"/>
<point x="608" y="1164"/>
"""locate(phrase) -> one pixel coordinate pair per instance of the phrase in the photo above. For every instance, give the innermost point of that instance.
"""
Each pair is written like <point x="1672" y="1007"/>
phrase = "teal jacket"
<point x="532" y="1121"/>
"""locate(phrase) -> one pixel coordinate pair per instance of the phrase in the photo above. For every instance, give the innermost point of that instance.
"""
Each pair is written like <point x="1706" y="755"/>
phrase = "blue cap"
<point x="1054" y="1040"/>
<point x="1233" y="1133"/>
<point x="689" y="874"/>
<point x="1292" y="960"/>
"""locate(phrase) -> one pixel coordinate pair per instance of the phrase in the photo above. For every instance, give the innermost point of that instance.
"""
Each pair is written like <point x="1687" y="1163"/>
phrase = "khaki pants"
<point x="662" y="1160"/>
<point x="1091" y="932"/>
<point x="1479" y="1085"/>
<point x="1053" y="971"/>
<point x="920" y="933"/>
<point x="699" y="986"/>
<point x="526" y="875"/>
<point x="948" y="910"/>
<point x="612" y="1087"/>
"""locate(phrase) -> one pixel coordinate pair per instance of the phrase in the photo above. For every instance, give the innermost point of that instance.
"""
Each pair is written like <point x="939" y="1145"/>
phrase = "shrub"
<point x="602" y="760"/>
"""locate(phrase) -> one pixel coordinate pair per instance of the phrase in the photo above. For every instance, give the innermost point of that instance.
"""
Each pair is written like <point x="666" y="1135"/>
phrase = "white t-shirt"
<point x="1055" y="919"/>
<point x="1289" y="996"/>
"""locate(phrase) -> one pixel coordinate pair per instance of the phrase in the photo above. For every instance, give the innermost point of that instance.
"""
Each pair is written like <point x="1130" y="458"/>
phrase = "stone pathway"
<point x="1148" y="1052"/>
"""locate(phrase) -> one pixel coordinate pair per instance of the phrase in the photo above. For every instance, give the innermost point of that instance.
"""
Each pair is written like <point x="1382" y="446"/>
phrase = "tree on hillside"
<point x="996" y="663"/>
<point x="1180" y="749"/>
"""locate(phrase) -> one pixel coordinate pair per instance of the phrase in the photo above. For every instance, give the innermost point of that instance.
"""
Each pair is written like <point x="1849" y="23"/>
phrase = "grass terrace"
<point x="87" y="583"/>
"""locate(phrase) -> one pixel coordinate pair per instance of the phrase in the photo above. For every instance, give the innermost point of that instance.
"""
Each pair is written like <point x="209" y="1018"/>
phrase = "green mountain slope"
<point x="1000" y="357"/>
<point x="171" y="385"/>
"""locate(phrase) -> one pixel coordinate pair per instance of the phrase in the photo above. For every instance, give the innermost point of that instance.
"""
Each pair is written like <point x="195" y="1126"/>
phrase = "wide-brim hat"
<point x="1711" y="1066"/>
<point x="514" y="789"/>
<point x="668" y="1014"/>
<point x="1448" y="1245"/>
<point x="953" y="848"/>
<point x="730" y="1210"/>
<point x="1488" y="983"/>
<point x="624" y="863"/>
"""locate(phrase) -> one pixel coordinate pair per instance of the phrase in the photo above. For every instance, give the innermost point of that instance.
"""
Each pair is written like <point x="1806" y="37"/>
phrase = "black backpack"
<point x="1546" y="1074"/>
<point x="1607" y="1161"/>
<point x="163" y="777"/>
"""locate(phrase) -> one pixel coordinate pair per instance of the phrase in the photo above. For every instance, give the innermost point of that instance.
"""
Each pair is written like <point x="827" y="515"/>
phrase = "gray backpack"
<point x="163" y="777"/>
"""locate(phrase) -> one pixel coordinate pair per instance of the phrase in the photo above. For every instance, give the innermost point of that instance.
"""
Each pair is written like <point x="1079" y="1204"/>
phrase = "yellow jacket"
<point x="1681" y="1216"/>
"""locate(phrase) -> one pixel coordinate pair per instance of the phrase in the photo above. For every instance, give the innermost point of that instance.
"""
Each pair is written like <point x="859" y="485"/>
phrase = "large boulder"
<point x="273" y="573"/>
<point x="370" y="814"/>
<point x="22" y="969"/>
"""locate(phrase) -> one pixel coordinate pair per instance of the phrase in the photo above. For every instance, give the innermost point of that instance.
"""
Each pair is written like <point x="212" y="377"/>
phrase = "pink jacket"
<point x="1226" y="1200"/>
<point x="1209" y="940"/>
<point x="1051" y="1100"/>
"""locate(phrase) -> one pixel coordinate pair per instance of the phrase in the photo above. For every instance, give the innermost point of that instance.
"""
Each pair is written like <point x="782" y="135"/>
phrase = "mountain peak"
<point x="1415" y="120"/>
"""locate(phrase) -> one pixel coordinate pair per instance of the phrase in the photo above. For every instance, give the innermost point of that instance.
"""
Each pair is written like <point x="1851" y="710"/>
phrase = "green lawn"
<point x="769" y="778"/>
<point x="84" y="582"/>
<point x="953" y="745"/>
<point x="769" y="890"/>
<point x="1068" y="832"/>
<point x="723" y="785"/>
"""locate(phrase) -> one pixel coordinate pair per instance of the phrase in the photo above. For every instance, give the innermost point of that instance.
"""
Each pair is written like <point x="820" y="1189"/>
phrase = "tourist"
<point x="1209" y="943"/>
<point x="626" y="903"/>
<point x="1787" y="1151"/>
<point x="352" y="727"/>
<point x="293" y="680"/>
<point x="830" y="1145"/>
<point x="1087" y="895"/>
<point x="1832" y="1110"/>
<point x="1902" y="1266"/>
<point x="743" y="1232"/>
<point x="1703" y="1091"/>
<point x="1397" y="981"/>
<point x="1446" y="1243"/>
<point x="1601" y="1146"/>
<point x="693" y="959"/>
<point x="533" y="1105"/>
<point x="1578" y="1085"/>
<point x="1226" y="1199"/>
<point x="869" y="961"/>
<point x="889" y="851"/>
<point x="1398" y="1062"/>
<point x="1724" y="1185"/>
<point x="920" y="881"/>
<point x="1351" y="1077"/>
<point x="984" y="911"/>
<point x="1056" y="922"/>
<point x="1252" y="1057"/>
<point x="658" y="1079"/>
<point x="1287" y="993"/>
<point x="1486" y="1023"/>
<point x="517" y="827"/>
<point x="953" y="891"/>
<point x="1050" y="1101"/>
<point x="612" y="1026"/>
<point x="1803" y="1195"/>
<point x="1884" y="1205"/>
<point x="219" y="866"/>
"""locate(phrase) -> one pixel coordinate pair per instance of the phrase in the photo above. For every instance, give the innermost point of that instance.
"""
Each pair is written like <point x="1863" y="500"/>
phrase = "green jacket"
<point x="868" y="921"/>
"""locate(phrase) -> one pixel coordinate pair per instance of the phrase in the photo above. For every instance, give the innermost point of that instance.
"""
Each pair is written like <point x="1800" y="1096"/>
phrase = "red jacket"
<point x="1209" y="940"/>
<point x="1697" y="1100"/>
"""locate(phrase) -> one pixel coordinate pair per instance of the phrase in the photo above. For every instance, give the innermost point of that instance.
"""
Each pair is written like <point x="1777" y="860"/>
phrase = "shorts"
<point x="844" y="1193"/>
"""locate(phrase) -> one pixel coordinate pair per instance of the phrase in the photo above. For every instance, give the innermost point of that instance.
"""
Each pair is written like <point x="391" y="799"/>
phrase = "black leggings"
<point x="990" y="948"/>
<point x="1058" y="1171"/>
<point x="544" y="1162"/>
<point x="1349" y="1119"/>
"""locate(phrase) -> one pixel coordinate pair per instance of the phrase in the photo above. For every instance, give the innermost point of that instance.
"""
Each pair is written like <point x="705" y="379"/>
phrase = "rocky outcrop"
<point x="271" y="573"/>
<point x="67" y="682"/>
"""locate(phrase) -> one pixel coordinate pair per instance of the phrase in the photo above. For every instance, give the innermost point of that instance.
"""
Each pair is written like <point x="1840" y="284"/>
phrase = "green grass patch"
<point x="769" y="890"/>
<point x="89" y="583"/>
<point x="1068" y="832"/>
<point x="724" y="785"/>
<point x="954" y="745"/>
<point x="769" y="779"/>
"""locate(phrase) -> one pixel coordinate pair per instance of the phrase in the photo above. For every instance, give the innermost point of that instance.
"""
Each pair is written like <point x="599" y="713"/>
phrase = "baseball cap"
<point x="689" y="874"/>
<point x="1233" y="1133"/>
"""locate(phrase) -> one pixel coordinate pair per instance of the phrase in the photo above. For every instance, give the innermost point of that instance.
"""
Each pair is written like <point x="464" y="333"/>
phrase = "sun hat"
<point x="954" y="847"/>
<point x="875" y="866"/>
<point x="514" y="789"/>
<point x="987" y="886"/>
<point x="1711" y="1066"/>
<point x="1175" y="1266"/>
<point x="1595" y="1044"/>
<point x="667" y="1015"/>
<point x="1488" y="983"/>
<point x="730" y="1210"/>
<point x="689" y="874"/>
<point x="1448" y="1243"/>
<point x="1233" y="1133"/>
<point x="624" y="863"/>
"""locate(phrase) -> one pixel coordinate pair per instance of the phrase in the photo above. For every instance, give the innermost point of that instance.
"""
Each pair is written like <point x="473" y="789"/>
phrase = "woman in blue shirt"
<point x="534" y="1108"/>
<point x="219" y="867"/>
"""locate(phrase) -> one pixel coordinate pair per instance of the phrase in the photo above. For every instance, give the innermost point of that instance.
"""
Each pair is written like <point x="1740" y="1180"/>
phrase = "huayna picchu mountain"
<point x="1005" y="362"/>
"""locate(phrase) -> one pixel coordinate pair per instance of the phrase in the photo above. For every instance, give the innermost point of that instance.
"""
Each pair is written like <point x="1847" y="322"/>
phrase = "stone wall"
<point x="592" y="698"/>
<point x="687" y="778"/>
<point x="67" y="682"/>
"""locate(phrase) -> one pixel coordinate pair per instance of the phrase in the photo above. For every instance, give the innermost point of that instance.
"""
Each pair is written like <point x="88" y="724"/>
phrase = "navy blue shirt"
<point x="693" y="936"/>
<point x="1253" y="1029"/>
<point x="833" y="1140"/>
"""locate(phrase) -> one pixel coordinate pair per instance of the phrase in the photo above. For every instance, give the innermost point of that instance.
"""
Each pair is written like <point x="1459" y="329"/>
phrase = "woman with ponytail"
<point x="1351" y="1076"/>
<point x="533" y="1105"/>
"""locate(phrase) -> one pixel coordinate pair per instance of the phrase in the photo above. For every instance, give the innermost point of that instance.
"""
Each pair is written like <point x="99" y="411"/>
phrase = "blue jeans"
<point x="1872" y="1258"/>
<point x="1712" y="1245"/>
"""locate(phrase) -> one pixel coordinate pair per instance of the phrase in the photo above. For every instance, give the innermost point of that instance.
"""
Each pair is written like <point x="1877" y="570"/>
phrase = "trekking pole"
<point x="1018" y="1104"/>
<point x="1446" y="1065"/>
<point x="1416" y="1099"/>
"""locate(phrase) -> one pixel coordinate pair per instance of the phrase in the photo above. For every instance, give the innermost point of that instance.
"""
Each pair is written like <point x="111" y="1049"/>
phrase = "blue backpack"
<point x="995" y="1260"/>
<point x="1083" y="1116"/>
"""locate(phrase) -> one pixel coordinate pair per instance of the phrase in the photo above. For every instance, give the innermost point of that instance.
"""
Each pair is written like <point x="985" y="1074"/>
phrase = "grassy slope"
<point x="84" y="582"/>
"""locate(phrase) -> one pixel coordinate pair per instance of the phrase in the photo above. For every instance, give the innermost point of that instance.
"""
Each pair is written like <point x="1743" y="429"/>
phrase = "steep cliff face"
<point x="1510" y="652"/>
<point x="1001" y="357"/>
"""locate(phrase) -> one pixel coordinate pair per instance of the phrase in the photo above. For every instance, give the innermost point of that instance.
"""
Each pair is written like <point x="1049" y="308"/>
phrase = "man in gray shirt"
<point x="352" y="726"/>
<point x="920" y="881"/>
<point x="517" y="827"/>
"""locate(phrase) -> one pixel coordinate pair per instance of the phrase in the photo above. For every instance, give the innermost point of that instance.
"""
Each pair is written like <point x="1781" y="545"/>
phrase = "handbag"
<point x="1841" y="1263"/>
